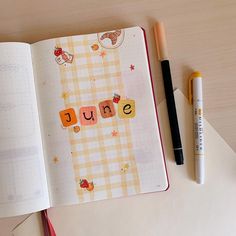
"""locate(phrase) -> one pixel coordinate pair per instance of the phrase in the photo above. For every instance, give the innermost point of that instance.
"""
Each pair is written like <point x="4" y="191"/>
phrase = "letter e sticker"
<point x="126" y="108"/>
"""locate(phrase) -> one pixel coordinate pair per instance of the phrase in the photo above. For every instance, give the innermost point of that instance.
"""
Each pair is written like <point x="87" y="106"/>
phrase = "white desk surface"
<point x="201" y="35"/>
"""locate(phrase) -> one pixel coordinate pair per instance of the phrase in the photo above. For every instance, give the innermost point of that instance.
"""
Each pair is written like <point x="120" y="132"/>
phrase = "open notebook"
<point x="78" y="121"/>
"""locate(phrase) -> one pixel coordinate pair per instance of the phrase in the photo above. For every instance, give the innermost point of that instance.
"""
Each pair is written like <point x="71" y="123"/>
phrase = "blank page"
<point x="23" y="185"/>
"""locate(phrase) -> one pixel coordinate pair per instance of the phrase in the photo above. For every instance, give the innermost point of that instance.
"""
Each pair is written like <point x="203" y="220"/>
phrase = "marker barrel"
<point x="198" y="130"/>
<point x="170" y="100"/>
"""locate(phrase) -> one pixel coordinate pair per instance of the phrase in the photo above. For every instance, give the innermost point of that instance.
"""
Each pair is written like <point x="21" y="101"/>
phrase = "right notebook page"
<point x="101" y="135"/>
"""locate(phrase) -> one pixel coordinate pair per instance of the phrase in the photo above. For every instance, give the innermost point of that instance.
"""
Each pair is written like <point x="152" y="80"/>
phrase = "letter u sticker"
<point x="88" y="115"/>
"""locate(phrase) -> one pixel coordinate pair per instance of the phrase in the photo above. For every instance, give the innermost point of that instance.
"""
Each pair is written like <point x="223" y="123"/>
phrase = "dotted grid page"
<point x="23" y="185"/>
<point x="98" y="116"/>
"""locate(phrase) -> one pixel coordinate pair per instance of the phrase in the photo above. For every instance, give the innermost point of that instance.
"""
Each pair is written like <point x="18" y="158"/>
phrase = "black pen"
<point x="170" y="100"/>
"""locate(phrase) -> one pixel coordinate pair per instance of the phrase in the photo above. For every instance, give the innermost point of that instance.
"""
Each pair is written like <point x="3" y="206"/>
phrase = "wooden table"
<point x="201" y="36"/>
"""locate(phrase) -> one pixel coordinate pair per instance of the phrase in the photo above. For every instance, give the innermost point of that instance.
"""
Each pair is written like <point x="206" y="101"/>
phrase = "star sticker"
<point x="131" y="67"/>
<point x="55" y="160"/>
<point x="114" y="133"/>
<point x="65" y="95"/>
<point x="102" y="54"/>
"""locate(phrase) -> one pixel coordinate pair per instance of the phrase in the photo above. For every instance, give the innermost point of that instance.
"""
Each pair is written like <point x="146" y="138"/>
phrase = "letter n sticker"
<point x="68" y="117"/>
<point x="88" y="115"/>
<point x="126" y="108"/>
<point x="107" y="108"/>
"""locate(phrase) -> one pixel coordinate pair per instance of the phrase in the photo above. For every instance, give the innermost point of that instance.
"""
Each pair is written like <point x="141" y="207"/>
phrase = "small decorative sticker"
<point x="62" y="57"/>
<point x="102" y="54"/>
<point x="124" y="168"/>
<point x="132" y="67"/>
<point x="116" y="98"/>
<point x="111" y="39"/>
<point x="114" y="133"/>
<point x="90" y="187"/>
<point x="76" y="129"/>
<point x="65" y="95"/>
<point x="95" y="47"/>
<point x="57" y="51"/>
<point x="86" y="185"/>
<point x="83" y="183"/>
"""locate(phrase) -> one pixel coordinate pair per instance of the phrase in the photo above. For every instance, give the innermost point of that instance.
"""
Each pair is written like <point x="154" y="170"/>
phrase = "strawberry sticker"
<point x="57" y="51"/>
<point x="84" y="183"/>
<point x="116" y="98"/>
<point x="62" y="56"/>
<point x="89" y="186"/>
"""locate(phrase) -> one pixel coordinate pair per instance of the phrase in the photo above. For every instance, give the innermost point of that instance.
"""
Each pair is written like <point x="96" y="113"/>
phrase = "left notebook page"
<point x="23" y="183"/>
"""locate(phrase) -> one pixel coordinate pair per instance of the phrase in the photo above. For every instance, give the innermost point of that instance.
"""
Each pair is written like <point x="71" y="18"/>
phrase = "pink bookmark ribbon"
<point x="47" y="225"/>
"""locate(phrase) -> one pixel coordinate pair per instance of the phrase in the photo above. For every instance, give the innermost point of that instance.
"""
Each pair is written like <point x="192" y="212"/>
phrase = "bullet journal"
<point x="78" y="121"/>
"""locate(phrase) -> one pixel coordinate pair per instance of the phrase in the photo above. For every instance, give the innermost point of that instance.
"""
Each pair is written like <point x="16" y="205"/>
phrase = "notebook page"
<point x="100" y="127"/>
<point x="23" y="185"/>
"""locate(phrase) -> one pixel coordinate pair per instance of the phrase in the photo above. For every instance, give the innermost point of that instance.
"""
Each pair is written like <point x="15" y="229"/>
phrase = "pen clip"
<point x="190" y="89"/>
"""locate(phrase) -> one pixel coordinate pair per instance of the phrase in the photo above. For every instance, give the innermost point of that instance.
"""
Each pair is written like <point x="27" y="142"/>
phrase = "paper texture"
<point x="185" y="209"/>
<point x="23" y="185"/>
<point x="93" y="149"/>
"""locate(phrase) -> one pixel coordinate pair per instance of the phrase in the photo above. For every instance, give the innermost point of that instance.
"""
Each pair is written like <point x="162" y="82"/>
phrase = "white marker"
<point x="195" y="98"/>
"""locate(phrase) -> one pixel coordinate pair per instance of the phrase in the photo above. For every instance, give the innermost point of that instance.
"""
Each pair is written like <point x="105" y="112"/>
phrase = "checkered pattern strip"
<point x="97" y="155"/>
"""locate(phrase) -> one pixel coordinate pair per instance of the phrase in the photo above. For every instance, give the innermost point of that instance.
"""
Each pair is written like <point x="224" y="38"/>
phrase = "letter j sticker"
<point x="68" y="117"/>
